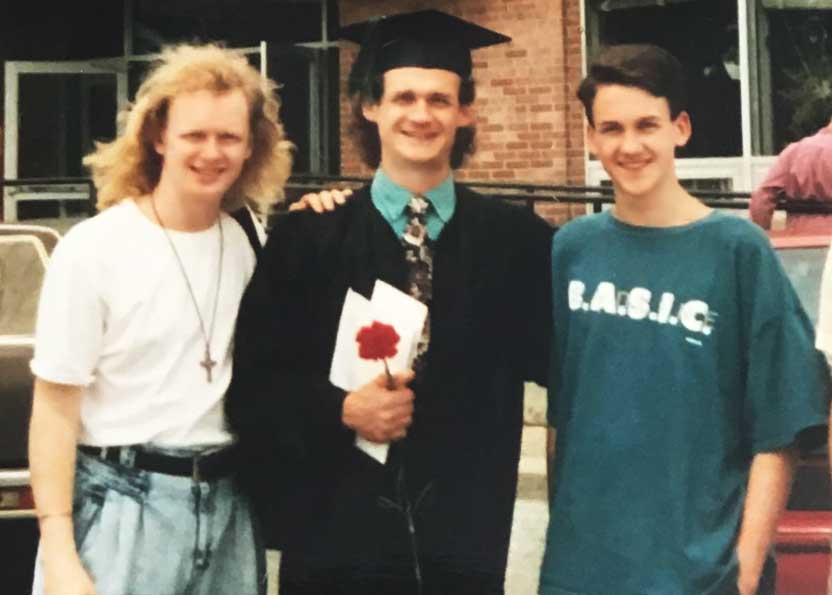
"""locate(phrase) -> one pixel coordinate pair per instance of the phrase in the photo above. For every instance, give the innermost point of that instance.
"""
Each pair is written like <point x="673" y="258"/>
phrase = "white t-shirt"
<point x="115" y="317"/>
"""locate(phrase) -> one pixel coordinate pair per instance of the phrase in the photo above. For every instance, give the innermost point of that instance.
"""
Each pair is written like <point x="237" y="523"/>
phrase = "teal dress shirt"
<point x="390" y="199"/>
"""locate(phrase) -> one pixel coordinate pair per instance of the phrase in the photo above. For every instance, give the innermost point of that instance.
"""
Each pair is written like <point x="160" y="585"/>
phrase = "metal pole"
<point x="745" y="92"/>
<point x="127" y="18"/>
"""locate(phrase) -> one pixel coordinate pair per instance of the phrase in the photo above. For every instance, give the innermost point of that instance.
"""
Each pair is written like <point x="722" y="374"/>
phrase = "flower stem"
<point x="390" y="384"/>
<point x="411" y="528"/>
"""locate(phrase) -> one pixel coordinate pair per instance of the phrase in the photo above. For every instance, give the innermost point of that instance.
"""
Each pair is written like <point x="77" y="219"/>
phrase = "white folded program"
<point x="348" y="370"/>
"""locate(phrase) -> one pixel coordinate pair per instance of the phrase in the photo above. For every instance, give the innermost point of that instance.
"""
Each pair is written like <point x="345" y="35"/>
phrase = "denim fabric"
<point x="141" y="533"/>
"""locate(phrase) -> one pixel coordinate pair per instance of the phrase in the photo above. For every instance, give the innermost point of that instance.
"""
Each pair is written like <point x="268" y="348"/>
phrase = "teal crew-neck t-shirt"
<point x="679" y="354"/>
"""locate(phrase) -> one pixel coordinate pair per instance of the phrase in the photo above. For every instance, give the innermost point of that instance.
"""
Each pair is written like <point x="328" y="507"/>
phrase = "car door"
<point x="24" y="252"/>
<point x="805" y="529"/>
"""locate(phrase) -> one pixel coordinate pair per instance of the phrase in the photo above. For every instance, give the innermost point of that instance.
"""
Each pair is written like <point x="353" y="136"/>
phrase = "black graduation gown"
<point x="317" y="495"/>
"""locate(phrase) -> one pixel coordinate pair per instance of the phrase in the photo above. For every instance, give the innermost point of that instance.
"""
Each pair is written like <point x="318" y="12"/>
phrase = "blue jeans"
<point x="142" y="533"/>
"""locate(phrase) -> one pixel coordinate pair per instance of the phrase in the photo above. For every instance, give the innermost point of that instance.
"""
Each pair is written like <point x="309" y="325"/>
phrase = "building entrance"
<point x="53" y="114"/>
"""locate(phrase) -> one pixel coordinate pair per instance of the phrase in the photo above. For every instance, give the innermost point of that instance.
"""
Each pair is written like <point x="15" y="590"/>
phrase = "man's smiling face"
<point x="417" y="118"/>
<point x="635" y="139"/>
<point x="205" y="143"/>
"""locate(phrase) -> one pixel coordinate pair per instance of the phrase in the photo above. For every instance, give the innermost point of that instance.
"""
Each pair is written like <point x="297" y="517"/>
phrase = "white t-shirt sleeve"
<point x="70" y="321"/>
<point x="823" y="333"/>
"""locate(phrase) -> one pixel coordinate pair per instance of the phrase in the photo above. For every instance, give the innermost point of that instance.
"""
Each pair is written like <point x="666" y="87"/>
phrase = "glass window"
<point x="60" y="117"/>
<point x="236" y="24"/>
<point x="307" y="79"/>
<point x="791" y="70"/>
<point x="51" y="144"/>
<point x="298" y="58"/>
<point x="703" y="35"/>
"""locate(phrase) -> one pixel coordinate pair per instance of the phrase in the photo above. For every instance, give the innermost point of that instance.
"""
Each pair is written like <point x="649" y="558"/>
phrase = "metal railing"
<point x="532" y="193"/>
<point x="43" y="189"/>
<point x="527" y="193"/>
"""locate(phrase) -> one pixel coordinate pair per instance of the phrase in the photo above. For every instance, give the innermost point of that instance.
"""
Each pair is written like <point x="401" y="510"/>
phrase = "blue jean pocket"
<point x="88" y="501"/>
<point x="94" y="481"/>
<point x="86" y="511"/>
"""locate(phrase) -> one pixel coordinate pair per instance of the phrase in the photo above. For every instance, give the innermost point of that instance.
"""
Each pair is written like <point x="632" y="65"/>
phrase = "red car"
<point x="805" y="530"/>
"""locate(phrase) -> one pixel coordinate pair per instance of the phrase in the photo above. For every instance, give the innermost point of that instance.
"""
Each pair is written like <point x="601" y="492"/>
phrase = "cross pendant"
<point x="208" y="364"/>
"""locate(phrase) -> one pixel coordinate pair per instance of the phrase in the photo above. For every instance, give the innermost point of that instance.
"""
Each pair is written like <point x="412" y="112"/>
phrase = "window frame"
<point x="744" y="171"/>
<point x="323" y="154"/>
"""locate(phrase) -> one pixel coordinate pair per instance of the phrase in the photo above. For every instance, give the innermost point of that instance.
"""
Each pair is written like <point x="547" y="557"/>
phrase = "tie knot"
<point x="418" y="205"/>
<point x="416" y="229"/>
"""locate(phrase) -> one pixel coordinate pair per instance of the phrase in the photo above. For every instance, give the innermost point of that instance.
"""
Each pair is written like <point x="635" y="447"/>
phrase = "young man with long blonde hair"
<point x="130" y="457"/>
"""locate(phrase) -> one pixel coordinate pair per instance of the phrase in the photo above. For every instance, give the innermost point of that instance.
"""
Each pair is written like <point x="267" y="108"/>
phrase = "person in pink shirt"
<point x="803" y="171"/>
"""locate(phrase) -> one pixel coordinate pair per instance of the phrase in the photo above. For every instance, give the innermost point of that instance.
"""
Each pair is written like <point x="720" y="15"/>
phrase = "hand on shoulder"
<point x="323" y="201"/>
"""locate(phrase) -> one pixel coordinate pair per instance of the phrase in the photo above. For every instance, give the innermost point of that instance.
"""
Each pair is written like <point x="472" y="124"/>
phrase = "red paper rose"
<point x="377" y="341"/>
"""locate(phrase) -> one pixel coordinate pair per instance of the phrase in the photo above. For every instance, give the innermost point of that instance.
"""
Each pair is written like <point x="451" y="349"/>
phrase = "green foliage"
<point x="810" y="93"/>
<point x="809" y="88"/>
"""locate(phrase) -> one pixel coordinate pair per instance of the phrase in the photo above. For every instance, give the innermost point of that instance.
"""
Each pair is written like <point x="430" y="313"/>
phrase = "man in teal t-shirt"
<point x="684" y="370"/>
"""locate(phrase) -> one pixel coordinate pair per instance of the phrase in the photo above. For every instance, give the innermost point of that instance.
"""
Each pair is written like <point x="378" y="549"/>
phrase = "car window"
<point x="22" y="267"/>
<point x="804" y="266"/>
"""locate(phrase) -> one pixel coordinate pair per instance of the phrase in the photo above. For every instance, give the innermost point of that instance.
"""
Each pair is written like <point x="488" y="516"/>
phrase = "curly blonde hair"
<point x="129" y="166"/>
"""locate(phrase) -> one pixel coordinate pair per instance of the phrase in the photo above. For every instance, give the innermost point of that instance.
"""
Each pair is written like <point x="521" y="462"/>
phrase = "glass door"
<point x="54" y="113"/>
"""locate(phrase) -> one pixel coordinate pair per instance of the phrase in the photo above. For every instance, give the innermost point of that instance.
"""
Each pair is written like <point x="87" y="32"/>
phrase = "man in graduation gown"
<point x="436" y="517"/>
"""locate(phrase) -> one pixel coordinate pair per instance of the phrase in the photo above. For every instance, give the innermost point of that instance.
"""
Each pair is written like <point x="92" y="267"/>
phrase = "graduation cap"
<point x="425" y="39"/>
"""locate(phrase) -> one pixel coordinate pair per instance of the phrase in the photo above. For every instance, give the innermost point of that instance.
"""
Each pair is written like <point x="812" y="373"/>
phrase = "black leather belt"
<point x="200" y="468"/>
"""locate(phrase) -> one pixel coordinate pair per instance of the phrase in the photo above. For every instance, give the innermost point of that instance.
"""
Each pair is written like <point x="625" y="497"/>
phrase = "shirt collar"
<point x="391" y="199"/>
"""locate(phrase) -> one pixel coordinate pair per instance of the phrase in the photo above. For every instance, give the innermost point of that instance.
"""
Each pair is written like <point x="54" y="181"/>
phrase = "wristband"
<point x="49" y="515"/>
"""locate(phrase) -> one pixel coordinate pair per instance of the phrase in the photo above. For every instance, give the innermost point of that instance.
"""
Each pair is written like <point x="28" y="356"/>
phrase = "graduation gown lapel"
<point x="371" y="249"/>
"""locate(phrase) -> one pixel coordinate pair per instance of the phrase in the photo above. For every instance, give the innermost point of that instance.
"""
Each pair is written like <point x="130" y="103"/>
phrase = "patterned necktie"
<point x="418" y="251"/>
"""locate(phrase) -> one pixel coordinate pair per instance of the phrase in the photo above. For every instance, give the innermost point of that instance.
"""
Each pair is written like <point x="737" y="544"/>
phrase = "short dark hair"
<point x="366" y="135"/>
<point x="646" y="67"/>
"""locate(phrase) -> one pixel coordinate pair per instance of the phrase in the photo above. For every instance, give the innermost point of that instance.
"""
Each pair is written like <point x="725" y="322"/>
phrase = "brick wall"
<point x="530" y="127"/>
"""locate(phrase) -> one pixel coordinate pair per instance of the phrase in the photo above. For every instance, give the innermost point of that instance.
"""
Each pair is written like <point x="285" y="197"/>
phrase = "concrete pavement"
<point x="531" y="516"/>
